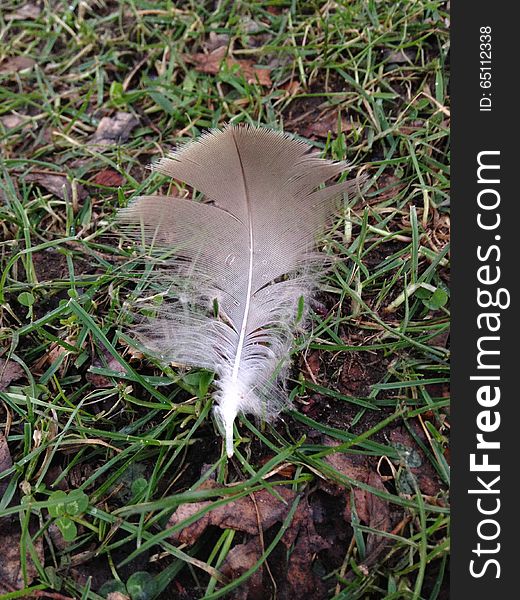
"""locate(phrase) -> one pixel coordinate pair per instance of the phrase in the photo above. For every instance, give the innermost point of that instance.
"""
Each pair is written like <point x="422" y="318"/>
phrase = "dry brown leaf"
<point x="56" y="184"/>
<point x="422" y="469"/>
<point x="108" y="178"/>
<point x="6" y="462"/>
<point x="216" y="40"/>
<point x="212" y="63"/>
<point x="11" y="577"/>
<point x="371" y="509"/>
<point x="301" y="580"/>
<point x="388" y="186"/>
<point x="398" y="57"/>
<point x="247" y="514"/>
<point x="103" y="381"/>
<point x="240" y="559"/>
<point x="239" y="514"/>
<point x="13" y="120"/>
<point x="27" y="11"/>
<point x="292" y="87"/>
<point x="15" y="64"/>
<point x="313" y="362"/>
<point x="9" y="371"/>
<point x="53" y="353"/>
<point x="114" y="130"/>
<point x="325" y="124"/>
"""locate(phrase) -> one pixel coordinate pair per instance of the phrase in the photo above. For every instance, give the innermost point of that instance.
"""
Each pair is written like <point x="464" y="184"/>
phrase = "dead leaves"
<point x="15" y="64"/>
<point x="106" y="361"/>
<point x="244" y="515"/>
<point x="254" y="515"/>
<point x="370" y="509"/>
<point x="326" y="124"/>
<point x="213" y="62"/>
<point x="26" y="11"/>
<point x="9" y="371"/>
<point x="108" y="178"/>
<point x="58" y="185"/>
<point x="6" y="462"/>
<point x="11" y="572"/>
<point x="114" y="130"/>
<point x="14" y="120"/>
<point x="311" y="530"/>
<point x="317" y="526"/>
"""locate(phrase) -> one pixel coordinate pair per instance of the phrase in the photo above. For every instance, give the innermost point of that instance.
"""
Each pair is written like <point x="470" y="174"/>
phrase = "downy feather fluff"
<point x="234" y="267"/>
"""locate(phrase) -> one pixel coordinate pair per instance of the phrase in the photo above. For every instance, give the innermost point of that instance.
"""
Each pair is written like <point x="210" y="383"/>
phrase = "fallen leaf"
<point x="415" y="461"/>
<point x="57" y="184"/>
<point x="27" y="11"/>
<point x="325" y="124"/>
<point x="398" y="57"/>
<point x="302" y="582"/>
<point x="11" y="575"/>
<point x="313" y="362"/>
<point x="6" y="462"/>
<point x="216" y="40"/>
<point x="239" y="560"/>
<point x="371" y="509"/>
<point x="54" y="353"/>
<point x="103" y="381"/>
<point x="257" y="33"/>
<point x="15" y="64"/>
<point x="254" y="515"/>
<point x="388" y="186"/>
<point x="108" y="178"/>
<point x="286" y="471"/>
<point x="239" y="514"/>
<point x="212" y="63"/>
<point x="9" y="371"/>
<point x="114" y="130"/>
<point x="13" y="120"/>
<point x="292" y="87"/>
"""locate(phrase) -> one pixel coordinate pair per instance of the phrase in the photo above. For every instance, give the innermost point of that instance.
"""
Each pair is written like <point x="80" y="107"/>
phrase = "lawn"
<point x="114" y="480"/>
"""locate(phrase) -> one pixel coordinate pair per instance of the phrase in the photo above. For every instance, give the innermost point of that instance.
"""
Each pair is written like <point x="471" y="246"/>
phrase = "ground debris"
<point x="371" y="510"/>
<point x="9" y="371"/>
<point x="211" y="63"/>
<point x="114" y="130"/>
<point x="415" y="463"/>
<point x="254" y="515"/>
<point x="6" y="462"/>
<point x="108" y="178"/>
<point x="15" y="64"/>
<point x="11" y="572"/>
<point x="26" y="11"/>
<point x="326" y="124"/>
<point x="57" y="184"/>
<point x="13" y="120"/>
<point x="106" y="361"/>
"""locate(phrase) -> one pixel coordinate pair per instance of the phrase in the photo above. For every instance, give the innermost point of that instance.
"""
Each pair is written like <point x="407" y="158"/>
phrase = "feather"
<point x="235" y="266"/>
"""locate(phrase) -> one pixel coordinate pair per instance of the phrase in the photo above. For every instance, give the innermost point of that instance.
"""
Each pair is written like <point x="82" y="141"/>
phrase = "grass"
<point x="137" y="437"/>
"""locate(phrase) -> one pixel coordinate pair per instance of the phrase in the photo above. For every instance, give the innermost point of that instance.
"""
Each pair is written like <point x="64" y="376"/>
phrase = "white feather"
<point x="248" y="249"/>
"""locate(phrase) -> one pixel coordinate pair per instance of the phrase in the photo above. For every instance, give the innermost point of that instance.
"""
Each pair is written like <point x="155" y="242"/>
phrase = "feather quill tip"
<point x="228" y="425"/>
<point x="225" y="415"/>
